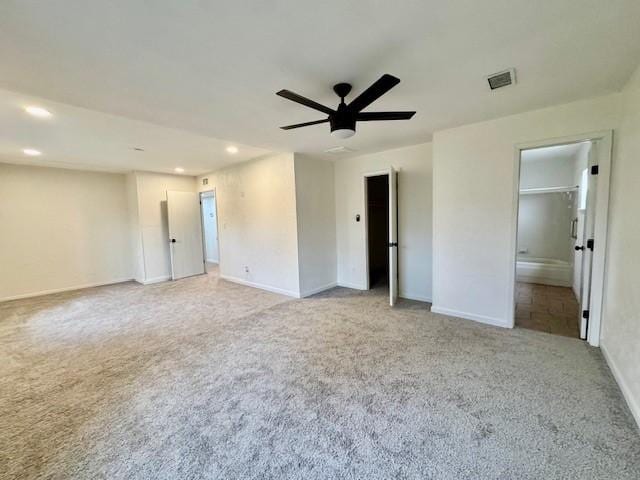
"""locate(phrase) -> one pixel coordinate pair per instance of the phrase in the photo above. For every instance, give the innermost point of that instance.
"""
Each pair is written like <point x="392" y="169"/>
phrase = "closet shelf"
<point x="531" y="191"/>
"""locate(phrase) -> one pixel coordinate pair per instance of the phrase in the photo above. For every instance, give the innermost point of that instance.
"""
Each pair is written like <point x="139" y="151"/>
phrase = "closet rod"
<point x="530" y="191"/>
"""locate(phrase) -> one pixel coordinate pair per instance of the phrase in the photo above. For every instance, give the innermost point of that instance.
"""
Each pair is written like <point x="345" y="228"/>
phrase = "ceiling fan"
<point x="343" y="119"/>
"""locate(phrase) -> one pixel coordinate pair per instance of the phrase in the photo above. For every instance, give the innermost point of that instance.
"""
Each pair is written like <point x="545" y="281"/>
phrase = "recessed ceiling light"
<point x="232" y="149"/>
<point x="37" y="111"/>
<point x="32" y="152"/>
<point x="179" y="170"/>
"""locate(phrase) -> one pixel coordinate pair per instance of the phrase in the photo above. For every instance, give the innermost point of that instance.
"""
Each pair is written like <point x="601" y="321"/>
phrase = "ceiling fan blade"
<point x="369" y="116"/>
<point x="294" y="97"/>
<point x="306" y="124"/>
<point x="381" y="86"/>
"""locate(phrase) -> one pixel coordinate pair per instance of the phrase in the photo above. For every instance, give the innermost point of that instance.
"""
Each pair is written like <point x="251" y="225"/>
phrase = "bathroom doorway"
<point x="561" y="215"/>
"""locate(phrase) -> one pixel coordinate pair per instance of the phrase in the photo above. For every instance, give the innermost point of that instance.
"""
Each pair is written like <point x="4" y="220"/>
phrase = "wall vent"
<point x="339" y="150"/>
<point x="502" y="79"/>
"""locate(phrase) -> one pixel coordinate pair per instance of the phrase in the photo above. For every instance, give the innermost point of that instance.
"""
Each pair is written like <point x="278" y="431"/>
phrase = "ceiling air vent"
<point x="339" y="150"/>
<point x="502" y="79"/>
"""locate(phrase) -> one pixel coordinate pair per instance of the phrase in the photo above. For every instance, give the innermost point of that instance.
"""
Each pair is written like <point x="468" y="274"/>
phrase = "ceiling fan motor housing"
<point x="343" y="119"/>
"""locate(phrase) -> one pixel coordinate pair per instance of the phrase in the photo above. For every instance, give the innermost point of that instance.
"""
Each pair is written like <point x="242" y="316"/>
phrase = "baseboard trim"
<point x="151" y="281"/>
<point x="554" y="282"/>
<point x="416" y="297"/>
<point x="633" y="404"/>
<point x="65" y="289"/>
<point x="496" y="322"/>
<point x="322" y="288"/>
<point x="408" y="296"/>
<point x="352" y="286"/>
<point x="261" y="286"/>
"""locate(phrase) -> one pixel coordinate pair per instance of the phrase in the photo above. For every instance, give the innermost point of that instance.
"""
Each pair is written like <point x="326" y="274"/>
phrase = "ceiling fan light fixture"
<point x="343" y="133"/>
<point x="343" y="119"/>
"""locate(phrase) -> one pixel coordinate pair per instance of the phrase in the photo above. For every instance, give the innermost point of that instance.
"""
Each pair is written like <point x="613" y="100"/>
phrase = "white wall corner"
<point x="632" y="403"/>
<point x="261" y="286"/>
<point x="151" y="281"/>
<point x="315" y="224"/>
<point x="319" y="289"/>
<point x="415" y="296"/>
<point x="496" y="322"/>
<point x="353" y="286"/>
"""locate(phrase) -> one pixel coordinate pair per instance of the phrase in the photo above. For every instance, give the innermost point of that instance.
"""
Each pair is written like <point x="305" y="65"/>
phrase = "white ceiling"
<point x="79" y="138"/>
<point x="213" y="68"/>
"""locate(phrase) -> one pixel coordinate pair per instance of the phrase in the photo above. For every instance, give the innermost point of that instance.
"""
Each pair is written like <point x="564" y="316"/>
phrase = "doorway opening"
<point x="378" y="230"/>
<point x="209" y="212"/>
<point x="381" y="231"/>
<point x="561" y="218"/>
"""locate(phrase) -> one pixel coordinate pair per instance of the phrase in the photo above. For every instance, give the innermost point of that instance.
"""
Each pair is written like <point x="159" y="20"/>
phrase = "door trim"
<point x="605" y="145"/>
<point x="394" y="210"/>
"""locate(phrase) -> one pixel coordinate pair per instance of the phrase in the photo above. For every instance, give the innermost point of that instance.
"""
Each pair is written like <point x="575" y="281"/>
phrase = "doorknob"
<point x="173" y="240"/>
<point x="577" y="248"/>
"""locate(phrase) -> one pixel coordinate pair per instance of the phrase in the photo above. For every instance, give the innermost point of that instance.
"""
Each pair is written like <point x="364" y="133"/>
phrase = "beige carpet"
<point x="202" y="378"/>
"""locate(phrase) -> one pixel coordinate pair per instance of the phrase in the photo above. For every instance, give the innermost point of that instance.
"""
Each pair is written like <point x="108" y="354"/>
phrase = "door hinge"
<point x="585" y="314"/>
<point x="393" y="244"/>
<point x="590" y="244"/>
<point x="594" y="170"/>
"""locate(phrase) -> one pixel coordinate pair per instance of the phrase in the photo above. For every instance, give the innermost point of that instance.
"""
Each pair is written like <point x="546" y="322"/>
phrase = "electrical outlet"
<point x="246" y="269"/>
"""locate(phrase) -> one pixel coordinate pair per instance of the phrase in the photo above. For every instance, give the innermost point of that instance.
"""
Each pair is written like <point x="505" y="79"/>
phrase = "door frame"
<point x="365" y="217"/>
<point x="604" y="155"/>
<point x="201" y="194"/>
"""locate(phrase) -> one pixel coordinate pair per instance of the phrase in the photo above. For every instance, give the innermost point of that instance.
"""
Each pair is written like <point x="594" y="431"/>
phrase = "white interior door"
<point x="393" y="236"/>
<point x="587" y="251"/>
<point x="185" y="234"/>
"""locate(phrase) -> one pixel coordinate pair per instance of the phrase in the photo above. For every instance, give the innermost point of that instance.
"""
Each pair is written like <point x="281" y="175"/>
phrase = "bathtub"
<point x="546" y="271"/>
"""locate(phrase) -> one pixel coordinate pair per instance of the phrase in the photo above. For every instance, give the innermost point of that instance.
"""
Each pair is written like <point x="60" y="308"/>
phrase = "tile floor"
<point x="547" y="309"/>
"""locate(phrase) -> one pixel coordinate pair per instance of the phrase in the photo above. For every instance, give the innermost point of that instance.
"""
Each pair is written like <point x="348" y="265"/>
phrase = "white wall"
<point x="545" y="167"/>
<point x="316" y="217"/>
<point x="151" y="205"/>
<point x="257" y="227"/>
<point x="544" y="219"/>
<point x="544" y="226"/>
<point x="414" y="250"/>
<point x="474" y="192"/>
<point x="61" y="230"/>
<point x="135" y="233"/>
<point x="621" y="311"/>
